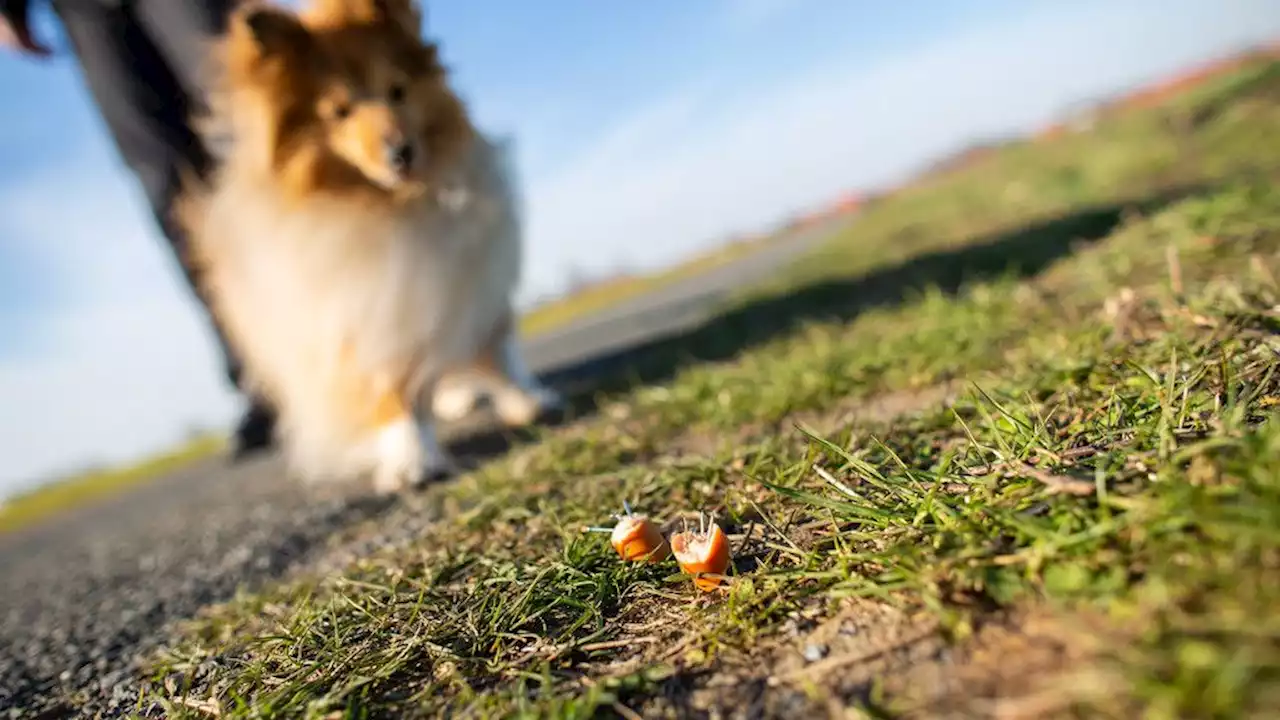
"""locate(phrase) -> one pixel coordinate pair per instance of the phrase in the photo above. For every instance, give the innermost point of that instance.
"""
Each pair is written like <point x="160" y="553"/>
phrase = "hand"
<point x="16" y="34"/>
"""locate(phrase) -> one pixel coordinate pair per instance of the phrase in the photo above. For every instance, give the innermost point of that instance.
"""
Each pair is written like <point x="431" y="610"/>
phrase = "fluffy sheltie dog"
<point x="360" y="240"/>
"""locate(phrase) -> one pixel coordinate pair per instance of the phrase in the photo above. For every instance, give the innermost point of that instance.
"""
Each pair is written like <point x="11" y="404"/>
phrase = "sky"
<point x="645" y="132"/>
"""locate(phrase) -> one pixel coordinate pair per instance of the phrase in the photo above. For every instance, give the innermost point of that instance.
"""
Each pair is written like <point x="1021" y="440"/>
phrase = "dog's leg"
<point x="499" y="372"/>
<point x="521" y="399"/>
<point x="457" y="394"/>
<point x="410" y="456"/>
<point x="437" y="464"/>
<point x="401" y="456"/>
<point x="409" y="453"/>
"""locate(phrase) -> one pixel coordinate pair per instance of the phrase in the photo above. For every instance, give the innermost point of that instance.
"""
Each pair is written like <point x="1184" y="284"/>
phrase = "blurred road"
<point x="87" y="591"/>
<point x="670" y="310"/>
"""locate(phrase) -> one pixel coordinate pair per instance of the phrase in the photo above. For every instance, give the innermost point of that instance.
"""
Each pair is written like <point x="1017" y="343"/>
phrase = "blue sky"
<point x="645" y="132"/>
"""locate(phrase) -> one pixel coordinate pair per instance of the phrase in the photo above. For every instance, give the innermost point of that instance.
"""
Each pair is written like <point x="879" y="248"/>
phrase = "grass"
<point x="1009" y="446"/>
<point x="29" y="508"/>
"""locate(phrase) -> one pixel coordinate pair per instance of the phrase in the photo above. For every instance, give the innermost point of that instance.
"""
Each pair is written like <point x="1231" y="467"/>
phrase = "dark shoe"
<point x="255" y="434"/>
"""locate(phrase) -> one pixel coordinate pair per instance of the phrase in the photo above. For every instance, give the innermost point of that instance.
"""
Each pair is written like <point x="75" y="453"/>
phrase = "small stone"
<point x="123" y="692"/>
<point x="108" y="682"/>
<point x="814" y="652"/>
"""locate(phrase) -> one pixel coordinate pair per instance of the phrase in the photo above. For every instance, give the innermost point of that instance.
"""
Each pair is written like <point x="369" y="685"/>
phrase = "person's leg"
<point x="182" y="31"/>
<point x="146" y="101"/>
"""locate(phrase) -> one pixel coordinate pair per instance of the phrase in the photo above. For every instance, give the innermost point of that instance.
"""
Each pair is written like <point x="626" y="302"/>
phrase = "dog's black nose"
<point x="399" y="155"/>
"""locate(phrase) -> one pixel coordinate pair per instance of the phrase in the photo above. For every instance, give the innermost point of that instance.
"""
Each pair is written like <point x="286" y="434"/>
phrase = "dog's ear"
<point x="273" y="31"/>
<point x="407" y="14"/>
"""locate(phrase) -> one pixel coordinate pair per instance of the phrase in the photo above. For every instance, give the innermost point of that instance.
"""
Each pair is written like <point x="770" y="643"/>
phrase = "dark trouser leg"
<point x="146" y="101"/>
<point x="142" y="63"/>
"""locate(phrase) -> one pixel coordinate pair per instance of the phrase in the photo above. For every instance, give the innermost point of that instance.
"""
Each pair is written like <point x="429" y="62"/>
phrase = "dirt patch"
<point x="1017" y="666"/>
<point x="879" y="409"/>
<point x="875" y="410"/>
<point x="870" y="657"/>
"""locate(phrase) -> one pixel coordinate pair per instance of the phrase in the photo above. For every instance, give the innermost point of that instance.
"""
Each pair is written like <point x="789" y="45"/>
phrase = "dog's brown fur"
<point x="342" y="278"/>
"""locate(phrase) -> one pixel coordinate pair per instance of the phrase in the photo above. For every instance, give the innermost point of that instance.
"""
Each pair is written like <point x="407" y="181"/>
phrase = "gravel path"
<point x="85" y="594"/>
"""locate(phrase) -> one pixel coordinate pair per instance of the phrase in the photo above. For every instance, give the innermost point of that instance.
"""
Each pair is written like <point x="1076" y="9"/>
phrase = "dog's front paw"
<point x="392" y="480"/>
<point x="409" y="457"/>
<point x="520" y="407"/>
<point x="454" y="400"/>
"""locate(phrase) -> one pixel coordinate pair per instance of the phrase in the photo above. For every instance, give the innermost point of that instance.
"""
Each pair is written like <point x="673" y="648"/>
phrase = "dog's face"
<point x="353" y="92"/>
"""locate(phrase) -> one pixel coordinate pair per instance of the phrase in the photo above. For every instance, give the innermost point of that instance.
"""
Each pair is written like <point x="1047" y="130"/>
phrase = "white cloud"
<point x="693" y="167"/>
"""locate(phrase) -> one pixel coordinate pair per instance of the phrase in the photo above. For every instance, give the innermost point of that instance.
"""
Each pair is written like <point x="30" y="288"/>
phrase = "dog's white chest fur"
<point x="327" y="275"/>
<point x="313" y="292"/>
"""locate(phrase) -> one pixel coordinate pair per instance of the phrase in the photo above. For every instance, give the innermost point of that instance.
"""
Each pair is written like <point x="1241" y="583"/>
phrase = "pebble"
<point x="814" y="652"/>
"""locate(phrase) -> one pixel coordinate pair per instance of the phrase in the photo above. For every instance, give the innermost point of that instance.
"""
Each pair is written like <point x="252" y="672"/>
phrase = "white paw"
<point x="454" y="400"/>
<point x="519" y="407"/>
<point x="401" y="458"/>
<point x="409" y="456"/>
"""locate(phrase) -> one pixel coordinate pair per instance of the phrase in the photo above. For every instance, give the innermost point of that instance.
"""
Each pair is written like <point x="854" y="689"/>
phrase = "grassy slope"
<point x="48" y="500"/>
<point x="1042" y="392"/>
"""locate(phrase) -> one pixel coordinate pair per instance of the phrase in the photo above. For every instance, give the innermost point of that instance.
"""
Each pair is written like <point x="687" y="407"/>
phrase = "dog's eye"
<point x="340" y="111"/>
<point x="396" y="93"/>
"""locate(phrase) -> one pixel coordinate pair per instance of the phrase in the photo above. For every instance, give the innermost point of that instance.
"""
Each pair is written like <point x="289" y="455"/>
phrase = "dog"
<point x="360" y="239"/>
